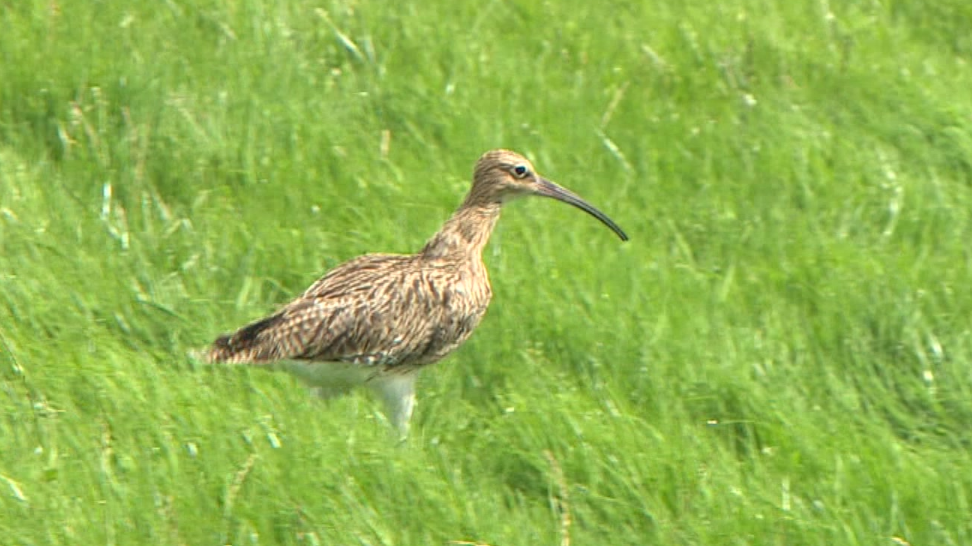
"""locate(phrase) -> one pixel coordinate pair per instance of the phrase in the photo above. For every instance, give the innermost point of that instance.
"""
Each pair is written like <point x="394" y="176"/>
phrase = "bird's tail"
<point x="199" y="355"/>
<point x="246" y="345"/>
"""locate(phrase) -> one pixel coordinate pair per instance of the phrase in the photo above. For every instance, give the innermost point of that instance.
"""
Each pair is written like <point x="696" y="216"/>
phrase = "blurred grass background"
<point x="781" y="355"/>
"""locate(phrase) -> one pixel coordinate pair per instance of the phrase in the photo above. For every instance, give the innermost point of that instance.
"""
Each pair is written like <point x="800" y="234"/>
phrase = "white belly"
<point x="329" y="379"/>
<point x="332" y="379"/>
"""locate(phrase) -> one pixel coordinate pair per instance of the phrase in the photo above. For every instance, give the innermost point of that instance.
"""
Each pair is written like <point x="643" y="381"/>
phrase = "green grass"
<point x="781" y="354"/>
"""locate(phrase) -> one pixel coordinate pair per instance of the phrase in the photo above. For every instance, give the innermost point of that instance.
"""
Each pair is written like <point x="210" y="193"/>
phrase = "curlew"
<point x="378" y="319"/>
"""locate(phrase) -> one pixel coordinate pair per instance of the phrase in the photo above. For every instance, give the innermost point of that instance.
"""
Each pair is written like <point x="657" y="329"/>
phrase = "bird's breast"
<point x="457" y="304"/>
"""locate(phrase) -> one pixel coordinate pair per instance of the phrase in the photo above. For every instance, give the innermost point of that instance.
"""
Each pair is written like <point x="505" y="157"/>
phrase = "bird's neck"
<point x="466" y="233"/>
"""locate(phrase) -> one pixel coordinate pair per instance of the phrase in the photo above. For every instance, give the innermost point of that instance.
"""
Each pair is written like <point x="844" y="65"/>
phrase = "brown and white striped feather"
<point x="393" y="312"/>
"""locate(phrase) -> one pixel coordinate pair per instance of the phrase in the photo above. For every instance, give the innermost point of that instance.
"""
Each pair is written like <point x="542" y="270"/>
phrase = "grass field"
<point x="782" y="354"/>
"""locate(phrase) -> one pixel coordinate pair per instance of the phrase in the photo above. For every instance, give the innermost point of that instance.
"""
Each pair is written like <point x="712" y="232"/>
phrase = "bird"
<point x="379" y="319"/>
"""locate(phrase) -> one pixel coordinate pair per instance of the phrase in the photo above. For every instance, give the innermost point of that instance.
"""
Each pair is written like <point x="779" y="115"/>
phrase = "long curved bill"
<point x="547" y="188"/>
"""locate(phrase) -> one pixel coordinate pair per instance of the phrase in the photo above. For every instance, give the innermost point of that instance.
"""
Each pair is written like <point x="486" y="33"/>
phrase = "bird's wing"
<point x="366" y="311"/>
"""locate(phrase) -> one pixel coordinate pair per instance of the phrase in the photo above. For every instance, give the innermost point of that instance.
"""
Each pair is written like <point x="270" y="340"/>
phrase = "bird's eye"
<point x="520" y="171"/>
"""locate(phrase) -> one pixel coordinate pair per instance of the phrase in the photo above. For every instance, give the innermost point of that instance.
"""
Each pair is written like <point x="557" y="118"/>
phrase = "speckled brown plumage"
<point x="377" y="319"/>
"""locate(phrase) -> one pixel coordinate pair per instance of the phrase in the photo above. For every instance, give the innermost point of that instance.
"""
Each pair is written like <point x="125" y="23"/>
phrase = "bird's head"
<point x="502" y="175"/>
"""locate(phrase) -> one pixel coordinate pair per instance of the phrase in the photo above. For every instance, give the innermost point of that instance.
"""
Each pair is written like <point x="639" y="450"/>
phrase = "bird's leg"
<point x="397" y="391"/>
